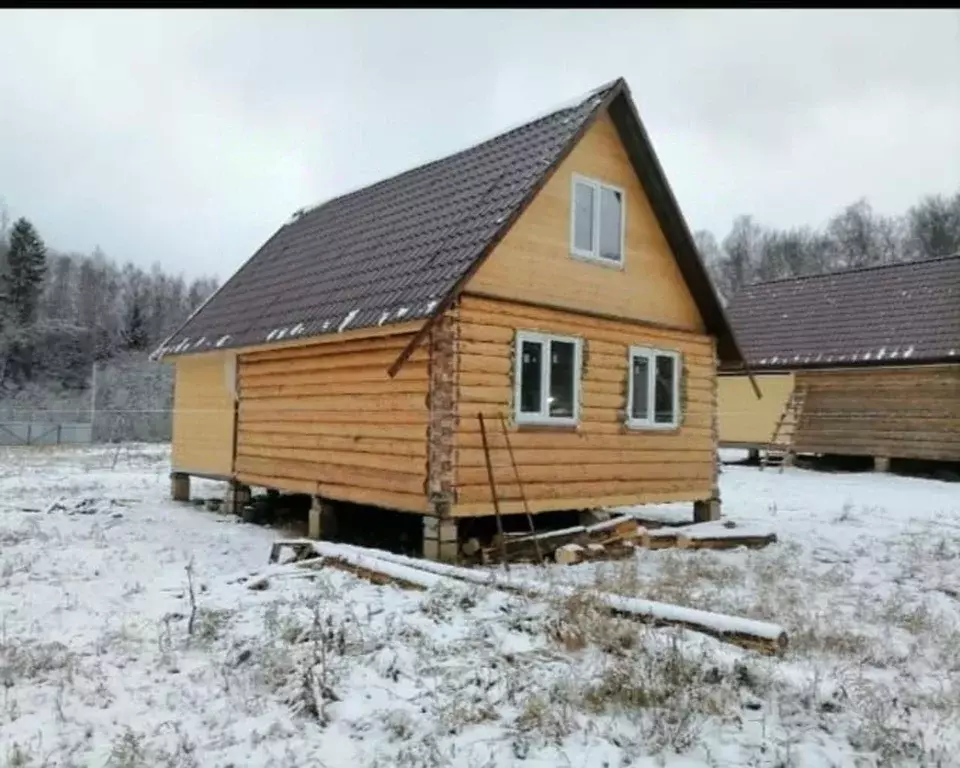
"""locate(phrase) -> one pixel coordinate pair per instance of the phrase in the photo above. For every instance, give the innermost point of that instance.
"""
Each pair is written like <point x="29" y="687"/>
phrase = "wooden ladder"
<point x="779" y="450"/>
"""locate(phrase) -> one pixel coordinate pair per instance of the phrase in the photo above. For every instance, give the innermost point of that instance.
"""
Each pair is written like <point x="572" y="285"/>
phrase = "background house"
<point x="863" y="362"/>
<point x="545" y="277"/>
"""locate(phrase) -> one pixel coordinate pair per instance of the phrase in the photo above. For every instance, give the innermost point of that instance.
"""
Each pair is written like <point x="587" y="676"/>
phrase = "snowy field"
<point x="99" y="666"/>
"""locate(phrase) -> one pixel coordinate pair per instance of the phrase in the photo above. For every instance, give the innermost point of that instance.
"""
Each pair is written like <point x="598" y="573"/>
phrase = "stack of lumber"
<point x="618" y="538"/>
<point x="610" y="539"/>
<point x="412" y="573"/>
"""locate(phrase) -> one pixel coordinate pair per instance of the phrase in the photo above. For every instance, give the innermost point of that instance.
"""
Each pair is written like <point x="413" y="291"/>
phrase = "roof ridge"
<point x="566" y="106"/>
<point x="853" y="270"/>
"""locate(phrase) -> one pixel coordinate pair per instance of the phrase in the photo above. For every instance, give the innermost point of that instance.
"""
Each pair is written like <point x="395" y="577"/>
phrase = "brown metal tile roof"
<point x="401" y="249"/>
<point x="892" y="314"/>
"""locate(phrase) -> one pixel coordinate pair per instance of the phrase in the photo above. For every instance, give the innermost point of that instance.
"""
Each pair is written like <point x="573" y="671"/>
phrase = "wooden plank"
<point x="400" y="432"/>
<point x="250" y="416"/>
<point x="397" y="501"/>
<point x="634" y="440"/>
<point x="569" y="474"/>
<point x="606" y="420"/>
<point x="353" y="374"/>
<point x="385" y="403"/>
<point x="356" y="477"/>
<point x="584" y="492"/>
<point x="254" y="391"/>
<point x="557" y="455"/>
<point x="646" y="496"/>
<point x="272" y="438"/>
<point x="360" y="340"/>
<point x="331" y="362"/>
<point x="410" y="465"/>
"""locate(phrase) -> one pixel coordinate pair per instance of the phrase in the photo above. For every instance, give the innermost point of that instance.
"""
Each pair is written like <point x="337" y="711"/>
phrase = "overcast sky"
<point x="188" y="137"/>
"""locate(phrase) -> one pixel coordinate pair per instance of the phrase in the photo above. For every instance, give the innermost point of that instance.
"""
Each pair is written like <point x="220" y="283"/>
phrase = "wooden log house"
<point x="864" y="362"/>
<point x="546" y="276"/>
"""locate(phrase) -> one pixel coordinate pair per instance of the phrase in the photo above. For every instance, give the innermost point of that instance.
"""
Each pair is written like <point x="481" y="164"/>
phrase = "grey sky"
<point x="189" y="137"/>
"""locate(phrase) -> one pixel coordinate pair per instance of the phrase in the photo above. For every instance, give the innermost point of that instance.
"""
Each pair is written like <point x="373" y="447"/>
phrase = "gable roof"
<point x="884" y="315"/>
<point x="402" y="249"/>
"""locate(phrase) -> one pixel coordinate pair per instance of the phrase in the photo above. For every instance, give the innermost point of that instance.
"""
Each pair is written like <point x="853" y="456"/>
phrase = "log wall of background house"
<point x="601" y="462"/>
<point x="908" y="413"/>
<point x="203" y="414"/>
<point x="326" y="419"/>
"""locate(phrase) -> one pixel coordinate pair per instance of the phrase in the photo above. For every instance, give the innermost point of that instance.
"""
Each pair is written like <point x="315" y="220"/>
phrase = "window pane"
<point x="640" y="408"/>
<point x="664" y="405"/>
<point x="531" y="385"/>
<point x="562" y="371"/>
<point x="611" y="210"/>
<point x="583" y="217"/>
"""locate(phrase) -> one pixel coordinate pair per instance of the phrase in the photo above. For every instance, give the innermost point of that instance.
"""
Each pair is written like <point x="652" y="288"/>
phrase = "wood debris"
<point x="608" y="540"/>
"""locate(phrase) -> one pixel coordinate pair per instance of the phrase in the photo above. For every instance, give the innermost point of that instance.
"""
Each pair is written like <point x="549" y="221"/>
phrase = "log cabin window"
<point x="547" y="379"/>
<point x="653" y="400"/>
<point x="596" y="221"/>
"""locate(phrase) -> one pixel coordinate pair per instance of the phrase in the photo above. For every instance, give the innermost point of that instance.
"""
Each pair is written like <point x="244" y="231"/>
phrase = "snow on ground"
<point x="99" y="668"/>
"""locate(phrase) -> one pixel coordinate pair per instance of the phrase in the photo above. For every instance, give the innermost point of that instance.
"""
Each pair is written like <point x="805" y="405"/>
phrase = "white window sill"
<point x="592" y="259"/>
<point x="545" y="421"/>
<point x="651" y="426"/>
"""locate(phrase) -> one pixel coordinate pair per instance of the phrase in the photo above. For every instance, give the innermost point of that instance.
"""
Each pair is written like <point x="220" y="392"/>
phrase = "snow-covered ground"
<point x="98" y="666"/>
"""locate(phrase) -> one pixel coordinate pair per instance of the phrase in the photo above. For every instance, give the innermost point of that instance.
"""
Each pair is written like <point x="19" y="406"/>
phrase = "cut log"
<point x="569" y="554"/>
<point x="725" y="542"/>
<point x="724" y="535"/>
<point x="470" y="547"/>
<point x="661" y="538"/>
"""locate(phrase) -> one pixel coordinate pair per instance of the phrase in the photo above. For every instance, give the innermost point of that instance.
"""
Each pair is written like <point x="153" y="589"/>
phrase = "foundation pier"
<point x="440" y="540"/>
<point x="236" y="497"/>
<point x="322" y="523"/>
<point x="180" y="486"/>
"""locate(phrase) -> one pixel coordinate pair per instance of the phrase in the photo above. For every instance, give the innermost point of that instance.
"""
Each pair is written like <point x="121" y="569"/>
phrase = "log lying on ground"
<point x="760" y="636"/>
<point x="726" y="534"/>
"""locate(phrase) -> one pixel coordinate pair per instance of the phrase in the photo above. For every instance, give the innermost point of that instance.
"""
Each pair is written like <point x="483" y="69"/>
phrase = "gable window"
<point x="653" y="401"/>
<point x="596" y="221"/>
<point x="547" y="379"/>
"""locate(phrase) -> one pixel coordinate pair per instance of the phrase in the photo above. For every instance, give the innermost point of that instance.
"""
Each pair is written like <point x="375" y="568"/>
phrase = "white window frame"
<point x="543" y="415"/>
<point x="593" y="254"/>
<point x="651" y="356"/>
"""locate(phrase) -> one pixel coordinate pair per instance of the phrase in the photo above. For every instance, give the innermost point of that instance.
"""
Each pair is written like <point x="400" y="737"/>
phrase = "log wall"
<point x="904" y="412"/>
<point x="600" y="462"/>
<point x="326" y="419"/>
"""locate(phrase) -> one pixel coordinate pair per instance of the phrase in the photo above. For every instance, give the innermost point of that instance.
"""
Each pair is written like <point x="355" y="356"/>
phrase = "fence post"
<point x="59" y="428"/>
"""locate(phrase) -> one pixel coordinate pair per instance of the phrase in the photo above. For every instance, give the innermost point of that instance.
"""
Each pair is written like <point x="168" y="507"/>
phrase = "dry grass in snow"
<point x="128" y="637"/>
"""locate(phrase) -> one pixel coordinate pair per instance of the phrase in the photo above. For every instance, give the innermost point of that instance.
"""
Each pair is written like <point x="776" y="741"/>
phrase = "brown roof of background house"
<point x="885" y="315"/>
<point x="402" y="249"/>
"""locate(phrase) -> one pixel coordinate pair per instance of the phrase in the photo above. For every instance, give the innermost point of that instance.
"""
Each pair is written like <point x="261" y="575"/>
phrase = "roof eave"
<point x="649" y="170"/>
<point x="911" y="362"/>
<point x="617" y="87"/>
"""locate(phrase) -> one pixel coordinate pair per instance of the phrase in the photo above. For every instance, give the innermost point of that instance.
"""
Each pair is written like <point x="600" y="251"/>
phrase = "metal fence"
<point x="45" y="433"/>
